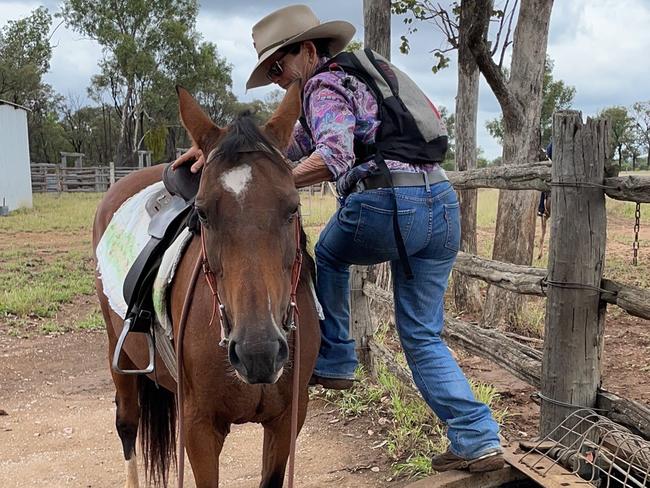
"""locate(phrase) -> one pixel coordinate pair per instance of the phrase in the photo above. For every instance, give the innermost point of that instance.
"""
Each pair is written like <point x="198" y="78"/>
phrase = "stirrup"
<point x="120" y="344"/>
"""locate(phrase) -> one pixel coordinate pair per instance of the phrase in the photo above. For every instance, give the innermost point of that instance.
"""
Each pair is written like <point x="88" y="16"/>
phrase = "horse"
<point x="544" y="212"/>
<point x="247" y="204"/>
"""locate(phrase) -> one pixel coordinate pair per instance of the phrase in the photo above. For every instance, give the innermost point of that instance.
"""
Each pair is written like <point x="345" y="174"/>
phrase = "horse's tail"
<point x="157" y="430"/>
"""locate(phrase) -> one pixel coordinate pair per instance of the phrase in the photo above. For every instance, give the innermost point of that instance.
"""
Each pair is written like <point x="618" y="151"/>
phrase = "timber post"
<point x="361" y="328"/>
<point x="575" y="315"/>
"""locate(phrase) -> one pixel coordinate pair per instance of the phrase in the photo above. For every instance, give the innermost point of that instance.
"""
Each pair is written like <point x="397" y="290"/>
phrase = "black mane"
<point x="244" y="136"/>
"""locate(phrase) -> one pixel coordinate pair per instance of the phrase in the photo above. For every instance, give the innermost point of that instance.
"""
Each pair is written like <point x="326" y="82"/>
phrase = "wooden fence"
<point x="57" y="178"/>
<point x="576" y="292"/>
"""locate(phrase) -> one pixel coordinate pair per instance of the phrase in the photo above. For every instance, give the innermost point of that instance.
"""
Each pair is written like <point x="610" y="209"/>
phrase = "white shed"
<point x="15" y="173"/>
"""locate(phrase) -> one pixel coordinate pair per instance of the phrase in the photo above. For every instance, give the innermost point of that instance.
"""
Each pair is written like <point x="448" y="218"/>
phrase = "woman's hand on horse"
<point x="192" y="154"/>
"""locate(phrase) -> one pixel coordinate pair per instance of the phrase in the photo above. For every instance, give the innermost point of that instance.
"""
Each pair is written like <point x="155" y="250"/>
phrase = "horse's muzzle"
<point x="258" y="362"/>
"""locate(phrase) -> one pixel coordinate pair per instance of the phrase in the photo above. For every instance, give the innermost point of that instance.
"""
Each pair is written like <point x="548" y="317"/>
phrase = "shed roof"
<point x="5" y="102"/>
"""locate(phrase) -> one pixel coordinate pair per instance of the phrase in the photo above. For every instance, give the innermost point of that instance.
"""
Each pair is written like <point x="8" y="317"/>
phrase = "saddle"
<point x="171" y="212"/>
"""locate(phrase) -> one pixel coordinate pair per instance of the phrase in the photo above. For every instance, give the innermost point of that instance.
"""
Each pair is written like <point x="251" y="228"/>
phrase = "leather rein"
<point x="290" y="323"/>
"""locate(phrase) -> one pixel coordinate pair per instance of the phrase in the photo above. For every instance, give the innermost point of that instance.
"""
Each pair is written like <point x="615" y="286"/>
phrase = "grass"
<point x="413" y="433"/>
<point x="93" y="321"/>
<point x="53" y="212"/>
<point x="31" y="285"/>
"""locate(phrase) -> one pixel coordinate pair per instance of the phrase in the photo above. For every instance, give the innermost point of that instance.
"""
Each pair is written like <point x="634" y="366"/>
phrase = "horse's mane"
<point x="244" y="136"/>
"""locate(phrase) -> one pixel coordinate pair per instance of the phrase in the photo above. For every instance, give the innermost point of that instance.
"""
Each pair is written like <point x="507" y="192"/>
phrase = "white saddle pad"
<point x="125" y="237"/>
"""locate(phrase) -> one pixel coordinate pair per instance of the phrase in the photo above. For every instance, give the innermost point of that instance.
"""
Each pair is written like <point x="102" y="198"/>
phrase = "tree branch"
<point x="479" y="13"/>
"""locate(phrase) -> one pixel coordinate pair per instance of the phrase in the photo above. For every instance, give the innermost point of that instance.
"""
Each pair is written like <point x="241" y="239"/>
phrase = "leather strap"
<point x="374" y="182"/>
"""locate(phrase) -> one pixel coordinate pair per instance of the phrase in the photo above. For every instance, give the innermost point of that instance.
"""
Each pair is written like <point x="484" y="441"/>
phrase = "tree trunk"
<point x="376" y="20"/>
<point x="466" y="290"/>
<point x="515" y="227"/>
<point x="121" y="154"/>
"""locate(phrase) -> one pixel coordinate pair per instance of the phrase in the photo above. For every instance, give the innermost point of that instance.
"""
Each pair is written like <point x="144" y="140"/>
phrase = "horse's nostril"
<point x="283" y="352"/>
<point x="233" y="355"/>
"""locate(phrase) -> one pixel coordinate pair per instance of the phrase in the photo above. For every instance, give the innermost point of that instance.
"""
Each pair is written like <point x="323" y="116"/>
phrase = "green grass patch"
<point x="53" y="212"/>
<point x="94" y="321"/>
<point x="31" y="285"/>
<point x="414" y="434"/>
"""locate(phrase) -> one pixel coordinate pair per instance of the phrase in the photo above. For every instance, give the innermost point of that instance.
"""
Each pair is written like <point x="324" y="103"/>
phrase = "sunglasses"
<point x="276" y="69"/>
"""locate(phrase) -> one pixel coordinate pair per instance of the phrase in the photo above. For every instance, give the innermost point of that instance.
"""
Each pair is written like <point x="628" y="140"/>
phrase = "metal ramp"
<point x="585" y="450"/>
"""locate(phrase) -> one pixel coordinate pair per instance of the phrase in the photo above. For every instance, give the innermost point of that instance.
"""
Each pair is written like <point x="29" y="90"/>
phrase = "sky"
<point x="600" y="47"/>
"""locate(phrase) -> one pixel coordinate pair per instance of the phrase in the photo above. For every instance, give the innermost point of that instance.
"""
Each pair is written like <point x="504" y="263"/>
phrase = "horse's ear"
<point x="280" y="125"/>
<point x="201" y="129"/>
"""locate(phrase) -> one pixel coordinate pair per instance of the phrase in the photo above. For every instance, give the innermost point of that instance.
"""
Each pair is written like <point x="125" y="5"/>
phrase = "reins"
<point x="290" y="323"/>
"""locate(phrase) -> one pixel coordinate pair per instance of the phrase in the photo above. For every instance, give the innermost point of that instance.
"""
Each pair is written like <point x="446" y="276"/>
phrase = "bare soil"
<point x="57" y="394"/>
<point x="59" y="428"/>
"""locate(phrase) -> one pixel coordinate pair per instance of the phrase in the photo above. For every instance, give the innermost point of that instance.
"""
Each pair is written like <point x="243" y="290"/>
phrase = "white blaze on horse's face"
<point x="236" y="181"/>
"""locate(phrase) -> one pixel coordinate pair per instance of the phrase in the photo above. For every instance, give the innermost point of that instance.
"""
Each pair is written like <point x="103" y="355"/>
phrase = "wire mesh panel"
<point x="601" y="452"/>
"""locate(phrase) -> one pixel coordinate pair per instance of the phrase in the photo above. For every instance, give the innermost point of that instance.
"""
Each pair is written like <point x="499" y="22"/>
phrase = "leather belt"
<point x="401" y="178"/>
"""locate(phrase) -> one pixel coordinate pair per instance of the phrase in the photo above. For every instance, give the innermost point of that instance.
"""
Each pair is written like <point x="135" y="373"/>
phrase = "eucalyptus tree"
<point x="25" y="53"/>
<point x="148" y="46"/>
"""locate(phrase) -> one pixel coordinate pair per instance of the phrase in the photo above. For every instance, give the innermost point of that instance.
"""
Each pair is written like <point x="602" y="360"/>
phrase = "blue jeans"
<point x="361" y="232"/>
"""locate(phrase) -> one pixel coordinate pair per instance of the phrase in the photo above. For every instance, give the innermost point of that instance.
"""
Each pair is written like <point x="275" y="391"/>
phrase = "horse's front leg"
<point x="277" y="441"/>
<point x="204" y="438"/>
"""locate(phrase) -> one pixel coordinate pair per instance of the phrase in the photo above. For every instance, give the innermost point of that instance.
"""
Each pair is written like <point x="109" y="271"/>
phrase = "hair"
<point x="322" y="47"/>
<point x="243" y="135"/>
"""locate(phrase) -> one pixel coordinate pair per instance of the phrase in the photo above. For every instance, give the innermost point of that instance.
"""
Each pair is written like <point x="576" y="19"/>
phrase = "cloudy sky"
<point x="599" y="46"/>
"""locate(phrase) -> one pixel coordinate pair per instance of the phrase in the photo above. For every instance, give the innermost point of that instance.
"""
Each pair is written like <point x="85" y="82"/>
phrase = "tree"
<point x="376" y="19"/>
<point x="148" y="47"/>
<point x="25" y="53"/>
<point x="621" y="125"/>
<point x="520" y="98"/>
<point x="556" y="95"/>
<point x="641" y="116"/>
<point x="453" y="22"/>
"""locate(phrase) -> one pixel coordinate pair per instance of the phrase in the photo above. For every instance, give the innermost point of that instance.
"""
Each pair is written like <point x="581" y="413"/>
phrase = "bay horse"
<point x="247" y="203"/>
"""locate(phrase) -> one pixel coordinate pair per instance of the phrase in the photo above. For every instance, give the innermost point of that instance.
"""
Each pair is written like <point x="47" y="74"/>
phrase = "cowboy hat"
<point x="290" y="25"/>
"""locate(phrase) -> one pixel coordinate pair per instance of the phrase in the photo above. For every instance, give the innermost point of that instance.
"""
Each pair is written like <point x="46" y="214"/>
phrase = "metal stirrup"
<point x="118" y="351"/>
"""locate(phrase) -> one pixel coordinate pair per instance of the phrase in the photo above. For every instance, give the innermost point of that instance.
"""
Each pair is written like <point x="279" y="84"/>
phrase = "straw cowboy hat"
<point x="290" y="25"/>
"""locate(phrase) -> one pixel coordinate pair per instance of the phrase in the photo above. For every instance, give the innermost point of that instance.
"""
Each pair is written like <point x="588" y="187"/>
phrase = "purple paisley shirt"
<point x="336" y="114"/>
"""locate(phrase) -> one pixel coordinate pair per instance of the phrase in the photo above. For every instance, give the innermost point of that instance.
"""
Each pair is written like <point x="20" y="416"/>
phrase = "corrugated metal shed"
<point x="15" y="174"/>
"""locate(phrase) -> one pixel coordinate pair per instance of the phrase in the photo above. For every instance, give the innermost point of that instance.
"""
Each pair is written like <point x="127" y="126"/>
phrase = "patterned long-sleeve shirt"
<point x="339" y="108"/>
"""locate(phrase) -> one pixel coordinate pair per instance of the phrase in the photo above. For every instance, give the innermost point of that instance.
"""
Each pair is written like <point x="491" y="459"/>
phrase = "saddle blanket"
<point x="125" y="237"/>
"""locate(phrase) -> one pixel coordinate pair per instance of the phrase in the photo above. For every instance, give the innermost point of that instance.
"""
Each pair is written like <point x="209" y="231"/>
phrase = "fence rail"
<point x="57" y="178"/>
<point x="537" y="176"/>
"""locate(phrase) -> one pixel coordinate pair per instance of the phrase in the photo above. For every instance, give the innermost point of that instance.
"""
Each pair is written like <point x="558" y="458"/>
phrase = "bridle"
<point x="290" y="323"/>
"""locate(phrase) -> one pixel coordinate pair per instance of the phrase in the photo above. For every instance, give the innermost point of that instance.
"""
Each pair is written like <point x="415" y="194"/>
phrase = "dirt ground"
<point x="58" y="430"/>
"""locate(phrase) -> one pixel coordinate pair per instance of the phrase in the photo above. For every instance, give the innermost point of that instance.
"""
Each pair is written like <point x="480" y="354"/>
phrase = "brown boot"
<point x="448" y="461"/>
<point x="331" y="383"/>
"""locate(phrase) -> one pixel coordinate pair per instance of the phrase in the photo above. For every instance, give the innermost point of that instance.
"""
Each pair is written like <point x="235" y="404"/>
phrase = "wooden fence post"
<point x="575" y="316"/>
<point x="111" y="173"/>
<point x="361" y="329"/>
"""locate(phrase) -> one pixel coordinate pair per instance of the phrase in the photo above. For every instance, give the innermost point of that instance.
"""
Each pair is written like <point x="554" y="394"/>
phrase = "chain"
<point x="637" y="225"/>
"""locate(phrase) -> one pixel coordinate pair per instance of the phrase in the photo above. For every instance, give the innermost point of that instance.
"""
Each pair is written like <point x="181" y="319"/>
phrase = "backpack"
<point x="411" y="130"/>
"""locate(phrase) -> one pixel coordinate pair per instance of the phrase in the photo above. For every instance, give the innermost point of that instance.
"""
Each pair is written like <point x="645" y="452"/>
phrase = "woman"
<point x="340" y="116"/>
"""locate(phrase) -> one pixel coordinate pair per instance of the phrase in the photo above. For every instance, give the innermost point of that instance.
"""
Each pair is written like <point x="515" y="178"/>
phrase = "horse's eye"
<point x="292" y="216"/>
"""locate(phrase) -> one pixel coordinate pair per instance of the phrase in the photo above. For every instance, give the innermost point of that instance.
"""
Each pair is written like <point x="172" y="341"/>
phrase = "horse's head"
<point x="248" y="206"/>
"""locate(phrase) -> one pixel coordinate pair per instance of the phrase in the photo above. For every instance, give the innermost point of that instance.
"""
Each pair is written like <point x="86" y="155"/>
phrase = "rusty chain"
<point x="637" y="226"/>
